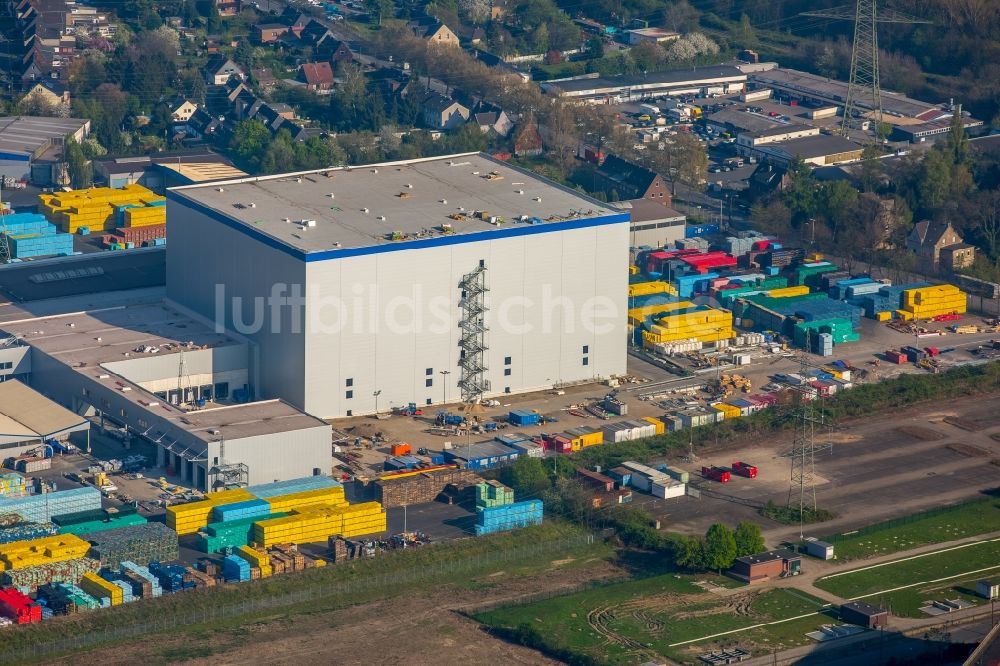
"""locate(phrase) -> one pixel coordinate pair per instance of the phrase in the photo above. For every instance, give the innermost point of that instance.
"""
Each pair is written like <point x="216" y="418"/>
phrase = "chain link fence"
<point x="341" y="593"/>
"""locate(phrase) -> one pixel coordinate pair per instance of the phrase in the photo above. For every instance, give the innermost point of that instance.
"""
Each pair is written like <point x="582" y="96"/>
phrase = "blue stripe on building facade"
<point x="515" y="230"/>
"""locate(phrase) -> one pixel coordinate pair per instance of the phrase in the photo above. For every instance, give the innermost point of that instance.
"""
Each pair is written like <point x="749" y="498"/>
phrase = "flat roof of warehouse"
<point x="89" y="338"/>
<point x="84" y="340"/>
<point x="819" y="145"/>
<point x="26" y="134"/>
<point x="708" y="73"/>
<point x="27" y="413"/>
<point x="813" y="84"/>
<point x="412" y="198"/>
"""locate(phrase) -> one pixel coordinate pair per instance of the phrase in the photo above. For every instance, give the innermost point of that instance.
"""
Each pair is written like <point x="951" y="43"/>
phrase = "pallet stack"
<point x="257" y="559"/>
<point x="150" y="542"/>
<point x="41" y="508"/>
<point x="99" y="588"/>
<point x="193" y="516"/>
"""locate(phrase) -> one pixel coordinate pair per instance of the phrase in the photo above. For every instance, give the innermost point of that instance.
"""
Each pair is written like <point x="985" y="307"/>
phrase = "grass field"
<point x="618" y="624"/>
<point x="964" y="520"/>
<point x="913" y="571"/>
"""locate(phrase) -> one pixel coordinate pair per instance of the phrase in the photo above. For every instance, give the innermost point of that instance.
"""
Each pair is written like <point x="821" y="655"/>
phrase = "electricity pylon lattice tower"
<point x="864" y="92"/>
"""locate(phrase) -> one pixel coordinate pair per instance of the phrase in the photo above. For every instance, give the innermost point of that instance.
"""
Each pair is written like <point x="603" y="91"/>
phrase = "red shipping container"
<point x="19" y="607"/>
<point x="743" y="469"/>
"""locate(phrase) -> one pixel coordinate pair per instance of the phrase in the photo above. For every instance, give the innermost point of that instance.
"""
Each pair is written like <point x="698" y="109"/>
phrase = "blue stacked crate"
<point x="235" y="569"/>
<point x="508" y="517"/>
<point x="47" y="612"/>
<point x="140" y="571"/>
<point x="41" y="508"/>
<point x="171" y="577"/>
<point x="888" y="299"/>
<point x="18" y="224"/>
<point x="27" y="532"/>
<point x="292" y="486"/>
<point x="26" y="246"/>
<point x="828" y="309"/>
<point x="240" y="510"/>
<point x="127" y="595"/>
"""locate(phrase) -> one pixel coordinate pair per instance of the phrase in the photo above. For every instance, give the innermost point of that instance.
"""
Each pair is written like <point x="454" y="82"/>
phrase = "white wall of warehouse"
<point x="311" y="369"/>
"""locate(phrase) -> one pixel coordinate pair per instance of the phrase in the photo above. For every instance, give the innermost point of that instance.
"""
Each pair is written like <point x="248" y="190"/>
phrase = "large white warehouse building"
<point x="422" y="282"/>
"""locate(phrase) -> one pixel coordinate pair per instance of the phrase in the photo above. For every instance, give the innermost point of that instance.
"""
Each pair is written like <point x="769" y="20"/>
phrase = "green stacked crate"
<point x="842" y="331"/>
<point x="492" y="494"/>
<point x="113" y="523"/>
<point x="216" y="537"/>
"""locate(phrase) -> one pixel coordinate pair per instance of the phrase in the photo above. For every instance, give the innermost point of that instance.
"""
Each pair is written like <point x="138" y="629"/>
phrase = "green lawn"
<point x="964" y="520"/>
<point x="657" y="612"/>
<point x="911" y="571"/>
<point x="907" y="603"/>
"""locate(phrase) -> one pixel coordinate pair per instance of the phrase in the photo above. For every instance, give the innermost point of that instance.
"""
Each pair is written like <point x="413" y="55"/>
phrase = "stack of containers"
<point x="217" y="537"/>
<point x="43" y="551"/>
<point x="70" y="571"/>
<point x="317" y="523"/>
<point x="704" y="323"/>
<point x="26" y="246"/>
<point x="85" y="522"/>
<point x="332" y="496"/>
<point x="126" y="588"/>
<point x="67" y="598"/>
<point x="238" y="510"/>
<point x="99" y="588"/>
<point x="41" y="508"/>
<point x="809" y="274"/>
<point x="171" y="577"/>
<point x="193" y="516"/>
<point x="824" y="346"/>
<point x="928" y="302"/>
<point x="150" y="542"/>
<point x="292" y="486"/>
<point x="235" y="569"/>
<point x="141" y="579"/>
<point x="12" y="485"/>
<point x="257" y="560"/>
<point x="493" y="493"/>
<point x="18" y="607"/>
<point x="26" y="532"/>
<point x="508" y="517"/>
<point x="99" y="208"/>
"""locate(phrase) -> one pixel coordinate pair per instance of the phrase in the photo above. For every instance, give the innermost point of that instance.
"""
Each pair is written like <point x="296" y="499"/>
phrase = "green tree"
<point x="80" y="174"/>
<point x="800" y="195"/>
<point x="720" y="548"/>
<point x="836" y="200"/>
<point x="687" y="551"/>
<point x="958" y="142"/>
<point x="595" y="48"/>
<point x="871" y="172"/>
<point x="250" y="141"/>
<point x="347" y="103"/>
<point x="749" y="539"/>
<point x="746" y="35"/>
<point x="379" y="9"/>
<point x="527" y="477"/>
<point x="468" y="138"/>
<point x="933" y="180"/>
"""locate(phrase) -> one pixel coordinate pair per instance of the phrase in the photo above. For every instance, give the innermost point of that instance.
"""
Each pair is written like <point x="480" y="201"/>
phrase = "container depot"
<point x="151" y="542"/>
<point x="41" y="508"/>
<point x="103" y="208"/>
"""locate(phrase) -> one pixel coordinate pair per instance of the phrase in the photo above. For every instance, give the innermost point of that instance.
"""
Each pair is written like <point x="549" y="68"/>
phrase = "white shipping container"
<point x="667" y="489"/>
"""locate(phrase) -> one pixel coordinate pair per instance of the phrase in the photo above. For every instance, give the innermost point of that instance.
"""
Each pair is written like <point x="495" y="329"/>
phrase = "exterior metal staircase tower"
<point x="472" y="343"/>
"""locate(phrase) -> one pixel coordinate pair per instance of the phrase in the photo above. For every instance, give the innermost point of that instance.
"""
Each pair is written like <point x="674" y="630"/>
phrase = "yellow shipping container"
<point x="652" y="287"/>
<point x="656" y="422"/>
<point x="96" y="586"/>
<point x="639" y="314"/>
<point x="327" y="496"/>
<point x="633" y="270"/>
<point x="44" y="550"/>
<point x="785" y="292"/>
<point x="193" y="516"/>
<point x="904" y="315"/>
<point x="729" y="411"/>
<point x="883" y="316"/>
<point x="256" y="559"/>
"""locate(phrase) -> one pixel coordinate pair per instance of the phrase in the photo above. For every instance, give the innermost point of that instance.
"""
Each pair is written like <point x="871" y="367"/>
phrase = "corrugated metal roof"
<point x="25" y="412"/>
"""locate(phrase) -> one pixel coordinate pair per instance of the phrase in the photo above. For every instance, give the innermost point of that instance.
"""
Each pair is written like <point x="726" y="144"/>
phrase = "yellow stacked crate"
<point x="256" y="559"/>
<point x="96" y="586"/>
<point x="730" y="411"/>
<point x="708" y="325"/>
<point x="191" y="517"/>
<point x="785" y="292"/>
<point x="637" y="316"/>
<point x="95" y="207"/>
<point x="652" y="287"/>
<point x="144" y="217"/>
<point x="656" y="422"/>
<point x="633" y="270"/>
<point x="361" y="519"/>
<point x="927" y="302"/>
<point x="45" y="550"/>
<point x="324" y="496"/>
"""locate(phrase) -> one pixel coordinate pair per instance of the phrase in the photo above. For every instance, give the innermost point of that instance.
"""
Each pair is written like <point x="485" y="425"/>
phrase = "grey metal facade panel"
<point x="280" y="456"/>
<point x="216" y="270"/>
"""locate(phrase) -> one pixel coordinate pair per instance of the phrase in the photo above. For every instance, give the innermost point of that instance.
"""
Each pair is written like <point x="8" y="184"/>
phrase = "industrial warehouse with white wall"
<point x="424" y="281"/>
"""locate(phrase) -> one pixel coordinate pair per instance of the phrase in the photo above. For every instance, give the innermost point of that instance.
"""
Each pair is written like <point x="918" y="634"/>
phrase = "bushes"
<point x="789" y="515"/>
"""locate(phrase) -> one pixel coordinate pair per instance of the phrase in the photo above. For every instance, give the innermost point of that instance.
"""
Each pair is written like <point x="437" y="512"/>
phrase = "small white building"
<point x="820" y="549"/>
<point x="654" y="35"/>
<point x="987" y="589"/>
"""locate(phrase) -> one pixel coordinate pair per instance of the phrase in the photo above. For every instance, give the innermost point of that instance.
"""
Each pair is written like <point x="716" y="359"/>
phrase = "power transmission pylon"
<point x="864" y="91"/>
<point x="802" y="456"/>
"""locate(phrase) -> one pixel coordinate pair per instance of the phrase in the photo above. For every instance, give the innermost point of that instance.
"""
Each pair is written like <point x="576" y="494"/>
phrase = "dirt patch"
<point x="923" y="434"/>
<point x="421" y="628"/>
<point x="738" y="604"/>
<point x="970" y="450"/>
<point x="963" y="424"/>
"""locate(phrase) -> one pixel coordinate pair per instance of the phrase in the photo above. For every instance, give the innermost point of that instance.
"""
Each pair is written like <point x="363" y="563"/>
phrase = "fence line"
<point x="903" y="520"/>
<point x="338" y="592"/>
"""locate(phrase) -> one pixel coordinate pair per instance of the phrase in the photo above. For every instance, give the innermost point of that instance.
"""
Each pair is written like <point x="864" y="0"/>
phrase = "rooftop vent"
<point x="298" y="180"/>
<point x="444" y="201"/>
<point x="538" y="199"/>
<point x="519" y="191"/>
<point x="219" y="189"/>
<point x="381" y="218"/>
<point x="374" y="170"/>
<point x="331" y="195"/>
<point x="253" y="205"/>
<point x="309" y="223"/>
<point x="364" y="210"/>
<point x="409" y="186"/>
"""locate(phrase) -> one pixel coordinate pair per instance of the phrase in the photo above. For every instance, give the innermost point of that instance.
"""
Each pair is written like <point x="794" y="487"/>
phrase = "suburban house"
<point x="51" y="92"/>
<point x="268" y="33"/>
<point x="264" y="78"/>
<point x="434" y="31"/>
<point x="318" y="76"/>
<point x="625" y="180"/>
<point x="228" y="7"/>
<point x="938" y="244"/>
<point x="491" y="118"/>
<point x="337" y="52"/>
<point x="181" y="109"/>
<point x="443" y="113"/>
<point x="219" y="69"/>
<point x="203" y="124"/>
<point x="528" y="140"/>
<point x="294" y="19"/>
